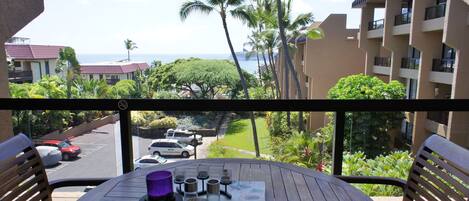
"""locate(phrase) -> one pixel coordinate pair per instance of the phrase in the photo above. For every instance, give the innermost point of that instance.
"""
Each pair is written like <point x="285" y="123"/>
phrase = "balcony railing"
<point x="340" y="107"/>
<point x="357" y="3"/>
<point x="439" y="117"/>
<point x="435" y="12"/>
<point x="410" y="63"/>
<point x="404" y="18"/>
<point x="382" y="61"/>
<point x="377" y="24"/>
<point x="443" y="65"/>
<point x="20" y="76"/>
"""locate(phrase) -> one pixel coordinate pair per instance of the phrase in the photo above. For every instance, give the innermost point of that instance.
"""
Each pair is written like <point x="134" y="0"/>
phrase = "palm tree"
<point x="129" y="45"/>
<point x="222" y="7"/>
<point x="285" y="22"/>
<point x="259" y="17"/>
<point x="68" y="60"/>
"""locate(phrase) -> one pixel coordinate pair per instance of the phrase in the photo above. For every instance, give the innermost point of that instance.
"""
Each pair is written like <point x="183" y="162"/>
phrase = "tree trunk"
<point x="258" y="65"/>
<point x="288" y="60"/>
<point x="274" y="72"/>
<point x="243" y="82"/>
<point x="128" y="55"/>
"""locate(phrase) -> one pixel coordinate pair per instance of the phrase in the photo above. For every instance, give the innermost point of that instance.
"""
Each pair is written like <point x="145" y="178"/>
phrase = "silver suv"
<point x="184" y="136"/>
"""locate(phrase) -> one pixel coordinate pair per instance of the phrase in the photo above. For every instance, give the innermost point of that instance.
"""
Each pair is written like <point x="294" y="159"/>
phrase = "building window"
<point x="91" y="76"/>
<point x="408" y="132"/>
<point x="47" y="67"/>
<point x="448" y="52"/>
<point x="412" y="94"/>
<point x="100" y="76"/>
<point x="17" y="64"/>
<point x="406" y="6"/>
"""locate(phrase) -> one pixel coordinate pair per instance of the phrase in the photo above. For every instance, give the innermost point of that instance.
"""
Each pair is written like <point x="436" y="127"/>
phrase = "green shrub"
<point x="144" y="118"/>
<point x="166" y="122"/>
<point x="302" y="149"/>
<point x="277" y="123"/>
<point x="396" y="165"/>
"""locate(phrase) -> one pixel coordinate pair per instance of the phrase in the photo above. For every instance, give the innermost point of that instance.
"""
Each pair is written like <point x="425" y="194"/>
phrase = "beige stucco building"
<point x="319" y="65"/>
<point x="425" y="45"/>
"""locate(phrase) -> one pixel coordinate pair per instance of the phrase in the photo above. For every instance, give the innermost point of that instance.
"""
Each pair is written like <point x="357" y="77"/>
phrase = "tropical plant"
<point x="129" y="46"/>
<point x="68" y="62"/>
<point x="124" y="89"/>
<point x="395" y="165"/>
<point x="164" y="123"/>
<point x="302" y="149"/>
<point x="368" y="131"/>
<point x="222" y="7"/>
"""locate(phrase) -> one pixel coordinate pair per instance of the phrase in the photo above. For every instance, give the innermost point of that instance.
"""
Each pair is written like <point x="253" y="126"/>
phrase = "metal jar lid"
<point x="190" y="185"/>
<point x="213" y="186"/>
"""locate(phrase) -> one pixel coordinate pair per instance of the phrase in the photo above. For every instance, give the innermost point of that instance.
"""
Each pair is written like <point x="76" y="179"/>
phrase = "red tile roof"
<point x="113" y="68"/>
<point x="32" y="52"/>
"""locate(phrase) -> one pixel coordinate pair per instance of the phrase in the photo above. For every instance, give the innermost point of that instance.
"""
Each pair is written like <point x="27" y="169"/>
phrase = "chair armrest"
<point x="373" y="180"/>
<point x="76" y="182"/>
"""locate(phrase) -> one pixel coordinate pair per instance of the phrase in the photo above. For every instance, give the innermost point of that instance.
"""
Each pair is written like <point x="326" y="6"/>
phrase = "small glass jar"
<point x="213" y="190"/>
<point x="190" y="189"/>
<point x="226" y="177"/>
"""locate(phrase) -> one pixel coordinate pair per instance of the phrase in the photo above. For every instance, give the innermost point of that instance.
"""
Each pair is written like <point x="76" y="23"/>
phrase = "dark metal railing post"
<point x="338" y="146"/>
<point x="126" y="136"/>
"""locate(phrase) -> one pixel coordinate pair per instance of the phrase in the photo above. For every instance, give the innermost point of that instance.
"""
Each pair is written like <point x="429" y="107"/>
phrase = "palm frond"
<point x="315" y="33"/>
<point x="194" y="6"/>
<point x="234" y="2"/>
<point x="300" y="20"/>
<point x="246" y="14"/>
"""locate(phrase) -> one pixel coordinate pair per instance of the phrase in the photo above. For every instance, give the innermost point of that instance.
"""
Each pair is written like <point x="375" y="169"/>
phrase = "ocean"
<point x="249" y="65"/>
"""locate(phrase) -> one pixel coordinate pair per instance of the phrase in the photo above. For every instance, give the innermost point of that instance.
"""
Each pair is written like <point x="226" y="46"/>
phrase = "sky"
<point x="101" y="26"/>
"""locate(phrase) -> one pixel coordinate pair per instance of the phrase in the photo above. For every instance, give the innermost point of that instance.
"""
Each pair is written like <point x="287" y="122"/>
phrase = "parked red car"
<point x="68" y="151"/>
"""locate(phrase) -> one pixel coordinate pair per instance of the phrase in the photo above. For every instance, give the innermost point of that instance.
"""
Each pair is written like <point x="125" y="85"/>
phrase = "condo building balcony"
<point x="443" y="65"/>
<point x="20" y="76"/>
<point x="410" y="63"/>
<point x="439" y="117"/>
<point x="435" y="12"/>
<point x="377" y="24"/>
<point x="382" y="61"/>
<point x="404" y="18"/>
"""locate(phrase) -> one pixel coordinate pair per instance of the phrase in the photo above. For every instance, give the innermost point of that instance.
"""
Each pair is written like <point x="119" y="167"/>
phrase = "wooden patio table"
<point x="283" y="182"/>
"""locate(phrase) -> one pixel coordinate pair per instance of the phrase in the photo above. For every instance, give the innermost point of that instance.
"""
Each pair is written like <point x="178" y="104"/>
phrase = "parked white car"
<point x="149" y="160"/>
<point x="183" y="136"/>
<point x="170" y="147"/>
<point x="50" y="156"/>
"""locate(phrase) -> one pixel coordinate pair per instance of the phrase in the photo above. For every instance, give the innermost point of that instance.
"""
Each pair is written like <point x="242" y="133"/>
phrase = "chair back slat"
<point x="21" y="171"/>
<point x="440" y="172"/>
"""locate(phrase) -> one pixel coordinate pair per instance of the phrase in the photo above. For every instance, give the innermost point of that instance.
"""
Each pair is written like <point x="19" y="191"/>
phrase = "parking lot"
<point x="99" y="157"/>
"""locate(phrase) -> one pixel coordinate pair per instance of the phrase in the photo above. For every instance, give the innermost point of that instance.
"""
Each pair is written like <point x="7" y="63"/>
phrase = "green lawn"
<point x="239" y="135"/>
<point x="217" y="150"/>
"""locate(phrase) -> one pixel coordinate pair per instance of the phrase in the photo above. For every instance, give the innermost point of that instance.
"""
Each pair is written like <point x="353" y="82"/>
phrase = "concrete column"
<point x="456" y="35"/>
<point x="14" y="15"/>
<point x="398" y="45"/>
<point x="429" y="44"/>
<point x="6" y="125"/>
<point x="370" y="47"/>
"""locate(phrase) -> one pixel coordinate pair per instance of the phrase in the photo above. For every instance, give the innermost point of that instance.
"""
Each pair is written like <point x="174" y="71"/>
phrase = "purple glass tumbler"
<point x="160" y="186"/>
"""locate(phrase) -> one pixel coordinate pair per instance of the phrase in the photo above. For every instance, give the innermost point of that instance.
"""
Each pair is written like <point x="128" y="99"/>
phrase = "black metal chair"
<point x="440" y="172"/>
<point x="23" y="176"/>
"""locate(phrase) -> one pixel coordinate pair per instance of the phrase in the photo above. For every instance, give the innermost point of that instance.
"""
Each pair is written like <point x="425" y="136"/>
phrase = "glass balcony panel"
<point x="443" y="65"/>
<point x="410" y="63"/>
<point x="374" y="25"/>
<point x="382" y="61"/>
<point x="404" y="18"/>
<point x="435" y="12"/>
